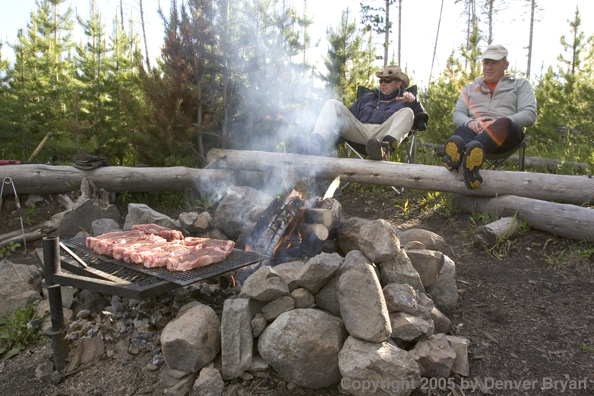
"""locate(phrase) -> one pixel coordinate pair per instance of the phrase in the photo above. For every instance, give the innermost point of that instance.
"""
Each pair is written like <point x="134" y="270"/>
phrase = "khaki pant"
<point x="336" y="119"/>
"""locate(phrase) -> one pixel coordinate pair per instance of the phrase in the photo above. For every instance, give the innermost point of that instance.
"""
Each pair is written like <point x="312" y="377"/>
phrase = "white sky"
<point x="419" y="28"/>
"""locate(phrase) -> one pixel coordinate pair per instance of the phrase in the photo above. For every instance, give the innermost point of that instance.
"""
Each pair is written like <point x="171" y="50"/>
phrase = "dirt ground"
<point x="529" y="316"/>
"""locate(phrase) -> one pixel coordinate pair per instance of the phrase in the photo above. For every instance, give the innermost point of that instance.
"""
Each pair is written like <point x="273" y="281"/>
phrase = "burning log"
<point x="317" y="216"/>
<point x="570" y="189"/>
<point x="312" y="231"/>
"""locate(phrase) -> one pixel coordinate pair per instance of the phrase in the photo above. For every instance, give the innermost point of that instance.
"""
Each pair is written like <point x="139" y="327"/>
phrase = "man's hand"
<point x="479" y="126"/>
<point x="406" y="97"/>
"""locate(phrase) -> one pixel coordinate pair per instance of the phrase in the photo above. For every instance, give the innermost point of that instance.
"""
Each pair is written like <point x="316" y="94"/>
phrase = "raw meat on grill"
<point x="226" y="246"/>
<point x="161" y="231"/>
<point x="155" y="246"/>
<point x="195" y="257"/>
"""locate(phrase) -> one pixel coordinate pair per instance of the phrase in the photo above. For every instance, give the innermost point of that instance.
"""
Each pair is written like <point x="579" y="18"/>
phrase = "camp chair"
<point x="494" y="161"/>
<point x="409" y="142"/>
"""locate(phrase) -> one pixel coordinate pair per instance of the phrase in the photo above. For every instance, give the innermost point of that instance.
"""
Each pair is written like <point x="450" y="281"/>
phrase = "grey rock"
<point x="413" y="245"/>
<point x="192" y="339"/>
<point x="258" y="323"/>
<point x="407" y="327"/>
<point x="361" y="360"/>
<point x="274" y="308"/>
<point x="196" y="223"/>
<point x="20" y="290"/>
<point x="264" y="285"/>
<point x="81" y="217"/>
<point x="289" y="272"/>
<point x="348" y="233"/>
<point x="303" y="298"/>
<point x="44" y="371"/>
<point x="258" y="364"/>
<point x="428" y="263"/>
<point x="102" y="226"/>
<point x="237" y="341"/>
<point x="378" y="241"/>
<point x="460" y="346"/>
<point x="327" y="298"/>
<point x="401" y="298"/>
<point x="362" y="304"/>
<point x="143" y="214"/>
<point x="209" y="383"/>
<point x="400" y="270"/>
<point x="445" y="290"/>
<point x="302" y="346"/>
<point x="435" y="356"/>
<point x="182" y="387"/>
<point x="234" y="210"/>
<point x="430" y="240"/>
<point x="318" y="270"/>
<point x="442" y="323"/>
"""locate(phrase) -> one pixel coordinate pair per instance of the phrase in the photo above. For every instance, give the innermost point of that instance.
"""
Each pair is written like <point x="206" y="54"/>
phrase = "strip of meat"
<point x="158" y="257"/>
<point x="120" y="249"/>
<point x="133" y="254"/>
<point x="106" y="245"/>
<point x="195" y="257"/>
<point x="91" y="241"/>
<point x="161" y="231"/>
<point x="226" y="246"/>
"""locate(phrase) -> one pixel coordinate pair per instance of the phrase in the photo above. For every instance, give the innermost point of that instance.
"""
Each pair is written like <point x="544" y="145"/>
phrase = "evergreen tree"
<point x="376" y="18"/>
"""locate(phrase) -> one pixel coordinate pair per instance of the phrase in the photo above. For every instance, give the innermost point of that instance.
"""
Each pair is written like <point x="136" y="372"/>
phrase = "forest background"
<point x="235" y="74"/>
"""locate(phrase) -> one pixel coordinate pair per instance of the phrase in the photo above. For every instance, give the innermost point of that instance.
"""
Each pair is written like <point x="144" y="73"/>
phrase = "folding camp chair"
<point x="496" y="160"/>
<point x="409" y="142"/>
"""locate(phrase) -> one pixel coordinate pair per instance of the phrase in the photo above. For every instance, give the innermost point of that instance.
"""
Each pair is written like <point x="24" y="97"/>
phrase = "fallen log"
<point x="489" y="234"/>
<point x="33" y="233"/>
<point x="568" y="221"/>
<point x="48" y="179"/>
<point x="571" y="189"/>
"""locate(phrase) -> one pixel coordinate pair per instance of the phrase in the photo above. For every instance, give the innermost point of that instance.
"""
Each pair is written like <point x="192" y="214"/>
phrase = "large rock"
<point x="401" y="298"/>
<point x="81" y="217"/>
<point x="362" y="304"/>
<point x="237" y="342"/>
<point x="378" y="241"/>
<point x="327" y="298"/>
<point x="429" y="239"/>
<point x="428" y="263"/>
<point x="17" y="286"/>
<point x="234" y="210"/>
<point x="103" y="226"/>
<point x="264" y="285"/>
<point x="209" y="383"/>
<point x="196" y="223"/>
<point x="302" y="346"/>
<point x="407" y="327"/>
<point x="274" y="308"/>
<point x="318" y="270"/>
<point x="445" y="290"/>
<point x="142" y="214"/>
<point x="400" y="270"/>
<point x="348" y="233"/>
<point x="192" y="339"/>
<point x="460" y="346"/>
<point x="289" y="272"/>
<point x="370" y="368"/>
<point x="441" y="322"/>
<point x="435" y="356"/>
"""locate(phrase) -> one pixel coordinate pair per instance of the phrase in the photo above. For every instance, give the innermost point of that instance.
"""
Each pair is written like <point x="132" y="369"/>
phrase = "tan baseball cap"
<point x="495" y="52"/>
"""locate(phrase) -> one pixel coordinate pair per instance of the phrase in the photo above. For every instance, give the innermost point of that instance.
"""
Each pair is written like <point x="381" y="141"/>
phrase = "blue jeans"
<point x="503" y="135"/>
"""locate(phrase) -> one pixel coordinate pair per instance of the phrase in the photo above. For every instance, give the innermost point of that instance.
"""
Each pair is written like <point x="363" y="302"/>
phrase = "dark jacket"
<point x="376" y="108"/>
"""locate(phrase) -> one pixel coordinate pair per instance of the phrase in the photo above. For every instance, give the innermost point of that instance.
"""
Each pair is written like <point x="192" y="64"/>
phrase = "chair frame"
<point x="496" y="160"/>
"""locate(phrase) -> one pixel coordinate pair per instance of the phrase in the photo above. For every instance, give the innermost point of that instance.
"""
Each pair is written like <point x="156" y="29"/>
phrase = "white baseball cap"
<point x="495" y="52"/>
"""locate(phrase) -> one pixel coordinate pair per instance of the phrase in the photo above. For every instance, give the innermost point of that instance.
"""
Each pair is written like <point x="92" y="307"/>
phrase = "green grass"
<point x="14" y="334"/>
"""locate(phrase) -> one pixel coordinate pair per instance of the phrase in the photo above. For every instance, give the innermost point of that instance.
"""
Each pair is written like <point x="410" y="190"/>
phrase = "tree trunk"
<point x="533" y="6"/>
<point x="47" y="179"/>
<point x="568" y="221"/>
<point x="489" y="234"/>
<point x="572" y="189"/>
<point x="224" y="131"/>
<point x="435" y="46"/>
<point x="399" y="29"/>
<point x="387" y="33"/>
<point x="148" y="61"/>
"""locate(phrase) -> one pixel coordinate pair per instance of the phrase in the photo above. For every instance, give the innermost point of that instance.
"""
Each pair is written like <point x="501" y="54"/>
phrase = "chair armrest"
<point x="420" y="122"/>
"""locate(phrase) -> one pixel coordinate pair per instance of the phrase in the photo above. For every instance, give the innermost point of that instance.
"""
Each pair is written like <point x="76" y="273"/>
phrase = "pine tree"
<point x="377" y="19"/>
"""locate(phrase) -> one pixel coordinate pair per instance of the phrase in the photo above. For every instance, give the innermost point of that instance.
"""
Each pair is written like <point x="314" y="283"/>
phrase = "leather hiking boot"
<point x="471" y="164"/>
<point x="454" y="149"/>
<point x="378" y="150"/>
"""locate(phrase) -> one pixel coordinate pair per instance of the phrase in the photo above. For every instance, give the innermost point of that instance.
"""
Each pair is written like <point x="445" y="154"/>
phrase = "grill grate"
<point x="138" y="274"/>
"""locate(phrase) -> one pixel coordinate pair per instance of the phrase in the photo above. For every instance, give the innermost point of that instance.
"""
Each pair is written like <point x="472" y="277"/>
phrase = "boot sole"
<point x="472" y="165"/>
<point x="453" y="156"/>
<point x="373" y="147"/>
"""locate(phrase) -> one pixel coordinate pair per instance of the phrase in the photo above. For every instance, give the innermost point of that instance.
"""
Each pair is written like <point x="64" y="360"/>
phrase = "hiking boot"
<point x="378" y="151"/>
<point x="454" y="149"/>
<point x="471" y="164"/>
<point x="314" y="145"/>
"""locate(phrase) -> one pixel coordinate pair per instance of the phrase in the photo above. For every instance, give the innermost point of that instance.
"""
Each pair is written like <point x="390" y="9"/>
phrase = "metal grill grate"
<point x="136" y="273"/>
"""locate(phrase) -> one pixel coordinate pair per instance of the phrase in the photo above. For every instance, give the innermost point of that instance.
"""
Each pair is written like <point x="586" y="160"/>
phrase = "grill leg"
<point x="51" y="265"/>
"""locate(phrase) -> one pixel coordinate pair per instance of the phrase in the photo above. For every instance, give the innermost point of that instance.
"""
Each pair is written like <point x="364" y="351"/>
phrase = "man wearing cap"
<point x="379" y="120"/>
<point x="490" y="116"/>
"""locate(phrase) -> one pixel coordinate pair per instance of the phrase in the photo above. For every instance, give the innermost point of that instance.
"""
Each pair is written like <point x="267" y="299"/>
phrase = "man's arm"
<point x="461" y="111"/>
<point x="364" y="110"/>
<point x="526" y="115"/>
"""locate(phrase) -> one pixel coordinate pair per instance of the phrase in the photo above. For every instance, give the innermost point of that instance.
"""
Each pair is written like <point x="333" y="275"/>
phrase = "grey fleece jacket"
<point x="513" y="98"/>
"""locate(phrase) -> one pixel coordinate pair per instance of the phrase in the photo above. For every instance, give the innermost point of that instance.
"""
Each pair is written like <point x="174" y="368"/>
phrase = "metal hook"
<point x="8" y="180"/>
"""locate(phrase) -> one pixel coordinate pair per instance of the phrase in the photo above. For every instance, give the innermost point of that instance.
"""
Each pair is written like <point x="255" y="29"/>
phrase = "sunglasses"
<point x="387" y="80"/>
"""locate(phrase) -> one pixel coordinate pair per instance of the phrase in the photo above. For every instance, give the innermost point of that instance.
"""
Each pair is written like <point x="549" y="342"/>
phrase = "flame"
<point x="233" y="280"/>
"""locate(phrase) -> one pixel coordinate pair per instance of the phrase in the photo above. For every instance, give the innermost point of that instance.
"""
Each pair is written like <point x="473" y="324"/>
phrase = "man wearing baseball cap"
<point x="490" y="116"/>
<point x="379" y="120"/>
